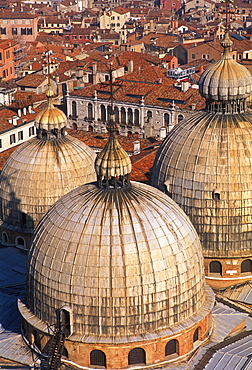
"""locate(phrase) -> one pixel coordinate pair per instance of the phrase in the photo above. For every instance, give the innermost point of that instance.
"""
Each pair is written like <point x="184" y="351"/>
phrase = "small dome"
<point x="39" y="172"/>
<point x="51" y="117"/>
<point x="112" y="161"/>
<point x="127" y="261"/>
<point x="225" y="80"/>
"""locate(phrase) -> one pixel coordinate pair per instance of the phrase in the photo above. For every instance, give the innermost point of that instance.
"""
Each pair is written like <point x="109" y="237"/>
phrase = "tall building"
<point x="38" y="173"/>
<point x="116" y="269"/>
<point x="205" y="165"/>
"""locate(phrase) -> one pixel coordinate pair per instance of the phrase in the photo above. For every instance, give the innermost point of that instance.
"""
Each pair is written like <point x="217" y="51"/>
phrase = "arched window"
<point x="109" y="109"/>
<point x="123" y="115"/>
<point x="149" y="113"/>
<point x="5" y="237"/>
<point x="74" y="109"/>
<point x="137" y="356"/>
<point x="90" y="111"/>
<point x="97" y="358"/>
<point x="166" y="119"/>
<point x="103" y="113"/>
<point x="90" y="128"/>
<point x="136" y="117"/>
<point x="215" y="267"/>
<point x="171" y="347"/>
<point x="196" y="335"/>
<point x="116" y="110"/>
<point x="246" y="266"/>
<point x="74" y="126"/>
<point x="64" y="316"/>
<point x="20" y="242"/>
<point x="180" y="117"/>
<point x="130" y="116"/>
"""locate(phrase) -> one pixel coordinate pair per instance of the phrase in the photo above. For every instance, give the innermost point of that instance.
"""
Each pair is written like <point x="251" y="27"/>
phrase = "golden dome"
<point x="51" y="117"/>
<point x="225" y="80"/>
<point x="112" y="161"/>
<point x="37" y="174"/>
<point x="205" y="165"/>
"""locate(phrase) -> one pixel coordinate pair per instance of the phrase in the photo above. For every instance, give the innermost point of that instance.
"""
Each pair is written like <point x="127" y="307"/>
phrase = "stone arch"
<point x="97" y="358"/>
<point x="137" y="356"/>
<point x="90" y="111"/>
<point x="166" y="119"/>
<point x="116" y="110"/>
<point x="130" y="116"/>
<point x="20" y="242"/>
<point x="180" y="117"/>
<point x="5" y="238"/>
<point x="123" y="115"/>
<point x="103" y="113"/>
<point x="136" y="117"/>
<point x="215" y="267"/>
<point x="74" y="109"/>
<point x="172" y="347"/>
<point x="246" y="266"/>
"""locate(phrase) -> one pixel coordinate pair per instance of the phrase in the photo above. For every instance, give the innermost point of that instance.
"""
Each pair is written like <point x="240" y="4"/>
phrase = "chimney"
<point x="94" y="73"/>
<point x="137" y="147"/>
<point x="160" y="81"/>
<point x="162" y="132"/>
<point x="130" y="66"/>
<point x="201" y="69"/>
<point x="185" y="86"/>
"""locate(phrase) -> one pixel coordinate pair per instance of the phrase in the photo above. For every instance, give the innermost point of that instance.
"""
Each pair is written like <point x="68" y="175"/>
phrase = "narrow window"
<point x="31" y="131"/>
<point x="196" y="335"/>
<point x="12" y="139"/>
<point x="20" y="135"/>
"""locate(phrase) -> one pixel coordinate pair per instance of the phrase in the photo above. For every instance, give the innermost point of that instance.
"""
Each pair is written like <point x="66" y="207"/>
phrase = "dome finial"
<point x="226" y="84"/>
<point x="112" y="165"/>
<point x="51" y="121"/>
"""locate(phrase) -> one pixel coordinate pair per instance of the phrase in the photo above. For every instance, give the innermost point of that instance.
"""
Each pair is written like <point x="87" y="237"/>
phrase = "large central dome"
<point x="127" y="262"/>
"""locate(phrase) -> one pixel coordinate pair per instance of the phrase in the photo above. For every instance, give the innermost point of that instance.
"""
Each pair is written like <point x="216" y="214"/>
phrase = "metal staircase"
<point x="56" y="349"/>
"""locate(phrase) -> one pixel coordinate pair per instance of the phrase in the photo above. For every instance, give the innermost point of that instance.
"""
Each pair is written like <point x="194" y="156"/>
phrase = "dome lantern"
<point x="226" y="84"/>
<point x="113" y="165"/>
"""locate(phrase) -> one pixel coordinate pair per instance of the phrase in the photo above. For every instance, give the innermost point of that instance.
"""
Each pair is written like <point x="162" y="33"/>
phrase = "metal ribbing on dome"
<point x="205" y="166"/>
<point x="226" y="80"/>
<point x="112" y="161"/>
<point x="127" y="261"/>
<point x="39" y="172"/>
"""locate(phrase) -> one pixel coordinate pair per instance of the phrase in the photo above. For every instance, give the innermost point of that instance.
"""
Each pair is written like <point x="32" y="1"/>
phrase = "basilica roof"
<point x="121" y="255"/>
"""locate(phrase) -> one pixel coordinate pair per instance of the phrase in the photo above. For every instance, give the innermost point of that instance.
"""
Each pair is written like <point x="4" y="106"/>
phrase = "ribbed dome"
<point x="50" y="117"/>
<point x="205" y="165"/>
<point x="38" y="173"/>
<point x="112" y="161"/>
<point x="126" y="261"/>
<point x="225" y="80"/>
